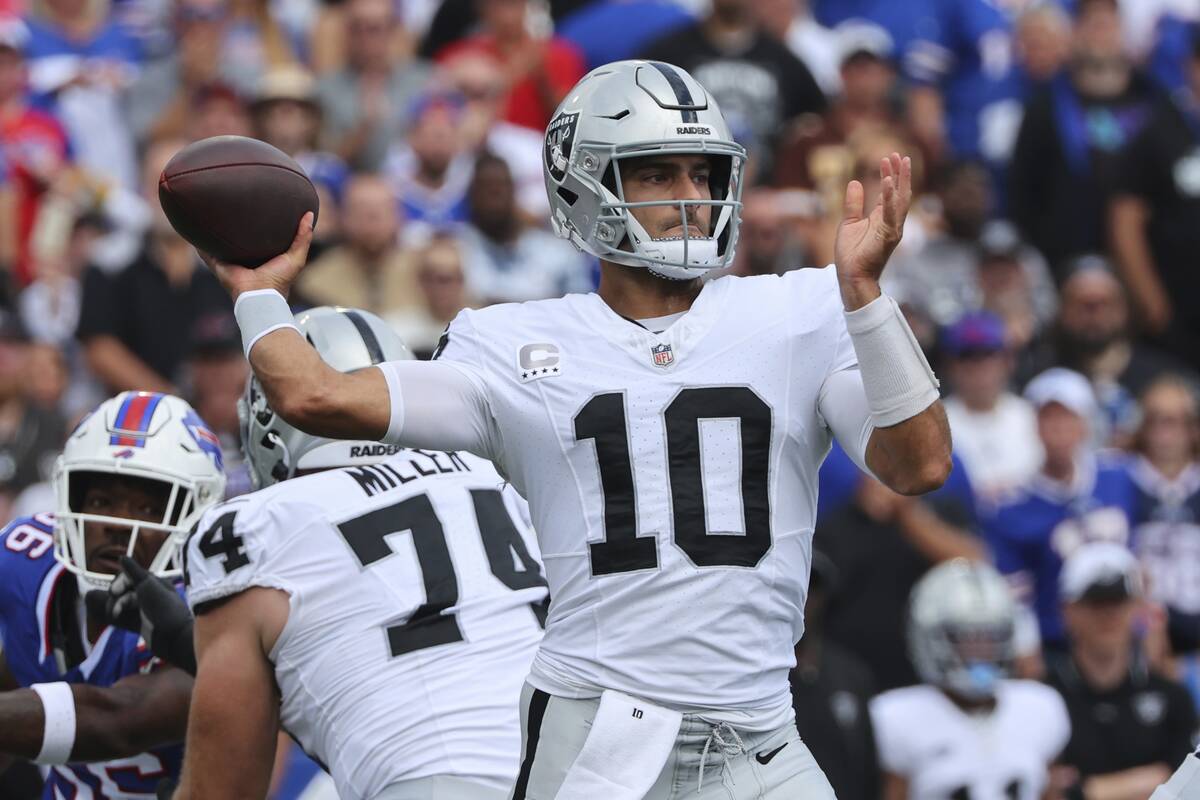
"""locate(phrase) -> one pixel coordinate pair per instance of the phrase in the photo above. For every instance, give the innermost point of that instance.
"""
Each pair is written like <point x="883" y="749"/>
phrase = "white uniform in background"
<point x="944" y="752"/>
<point x="416" y="605"/>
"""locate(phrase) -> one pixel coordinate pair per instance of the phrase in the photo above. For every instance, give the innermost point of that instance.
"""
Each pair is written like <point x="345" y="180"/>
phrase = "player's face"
<point x="669" y="179"/>
<point x="135" y="499"/>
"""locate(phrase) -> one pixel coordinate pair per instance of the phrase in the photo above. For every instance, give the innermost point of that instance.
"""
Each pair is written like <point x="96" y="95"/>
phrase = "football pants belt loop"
<point x="624" y="752"/>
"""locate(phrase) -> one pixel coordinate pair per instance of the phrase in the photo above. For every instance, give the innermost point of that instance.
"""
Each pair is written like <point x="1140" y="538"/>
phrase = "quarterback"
<point x="666" y="432"/>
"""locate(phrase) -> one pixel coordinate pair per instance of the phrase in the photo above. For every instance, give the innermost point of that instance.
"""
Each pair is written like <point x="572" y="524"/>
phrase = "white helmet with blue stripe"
<point x="157" y="440"/>
<point x="634" y="109"/>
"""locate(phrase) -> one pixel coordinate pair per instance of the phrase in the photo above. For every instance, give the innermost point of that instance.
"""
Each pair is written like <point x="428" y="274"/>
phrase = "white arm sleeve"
<point x="843" y="405"/>
<point x="440" y="406"/>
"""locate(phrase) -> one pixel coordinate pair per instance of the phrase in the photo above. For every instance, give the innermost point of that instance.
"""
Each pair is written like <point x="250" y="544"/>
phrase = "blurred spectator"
<point x="765" y="245"/>
<point x="430" y="170"/>
<point x="1065" y="166"/>
<point x="813" y="152"/>
<point x="602" y="32"/>
<point x="366" y="104"/>
<point x="217" y="110"/>
<point x="286" y="114"/>
<point x="135" y="325"/>
<point x="254" y="43"/>
<point x="368" y="270"/>
<point x="882" y="544"/>
<point x="30" y="434"/>
<point x="1075" y="498"/>
<point x="758" y="83"/>
<point x="995" y="431"/>
<point x="442" y="294"/>
<point x="83" y="63"/>
<point x="792" y="22"/>
<point x="1042" y="43"/>
<point x="979" y="733"/>
<point x="507" y="259"/>
<point x="942" y="280"/>
<point x="1129" y="725"/>
<point x="1015" y="284"/>
<point x="539" y="68"/>
<point x="1092" y="337"/>
<point x="216" y="375"/>
<point x="1154" y="212"/>
<point x="36" y="148"/>
<point x="830" y="690"/>
<point x="964" y="101"/>
<point x="478" y="79"/>
<point x="1167" y="533"/>
<point x="47" y="376"/>
<point x="160" y="101"/>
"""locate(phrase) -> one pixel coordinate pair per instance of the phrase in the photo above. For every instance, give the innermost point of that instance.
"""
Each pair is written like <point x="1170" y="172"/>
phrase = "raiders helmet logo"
<point x="560" y="137"/>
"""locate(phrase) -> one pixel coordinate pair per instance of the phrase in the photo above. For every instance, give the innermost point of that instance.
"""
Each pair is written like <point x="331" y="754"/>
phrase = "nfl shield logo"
<point x="662" y="355"/>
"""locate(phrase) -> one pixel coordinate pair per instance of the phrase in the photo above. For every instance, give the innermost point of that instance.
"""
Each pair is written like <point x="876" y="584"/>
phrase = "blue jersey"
<point x="33" y="584"/>
<point x="965" y="50"/>
<point x="1034" y="530"/>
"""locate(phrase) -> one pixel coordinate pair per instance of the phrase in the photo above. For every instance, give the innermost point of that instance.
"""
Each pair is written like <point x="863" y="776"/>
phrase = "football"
<point x="236" y="198"/>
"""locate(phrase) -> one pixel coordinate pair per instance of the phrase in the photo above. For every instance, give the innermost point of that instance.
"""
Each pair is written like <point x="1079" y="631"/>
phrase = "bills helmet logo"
<point x="204" y="438"/>
<point x="662" y="355"/>
<point x="560" y="137"/>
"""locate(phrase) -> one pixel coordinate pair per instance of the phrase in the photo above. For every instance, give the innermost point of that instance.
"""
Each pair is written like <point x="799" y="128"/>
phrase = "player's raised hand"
<point x="866" y="241"/>
<point x="277" y="274"/>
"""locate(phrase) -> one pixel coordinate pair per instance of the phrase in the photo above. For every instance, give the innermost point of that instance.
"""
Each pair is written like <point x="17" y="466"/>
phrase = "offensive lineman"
<point x="393" y="598"/>
<point x="99" y="711"/>
<point x="667" y="433"/>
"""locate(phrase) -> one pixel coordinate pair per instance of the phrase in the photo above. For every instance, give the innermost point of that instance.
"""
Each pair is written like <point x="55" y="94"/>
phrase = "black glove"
<point x="148" y="605"/>
<point x="166" y="789"/>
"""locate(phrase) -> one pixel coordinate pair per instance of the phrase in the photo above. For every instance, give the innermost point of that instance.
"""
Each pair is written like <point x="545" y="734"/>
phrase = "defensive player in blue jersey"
<point x="84" y="699"/>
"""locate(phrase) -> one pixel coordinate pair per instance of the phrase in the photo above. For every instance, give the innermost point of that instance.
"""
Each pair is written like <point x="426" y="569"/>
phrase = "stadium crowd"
<point x="1047" y="270"/>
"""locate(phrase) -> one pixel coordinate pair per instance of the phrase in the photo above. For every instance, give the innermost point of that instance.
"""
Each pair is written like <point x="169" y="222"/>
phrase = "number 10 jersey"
<point x="672" y="480"/>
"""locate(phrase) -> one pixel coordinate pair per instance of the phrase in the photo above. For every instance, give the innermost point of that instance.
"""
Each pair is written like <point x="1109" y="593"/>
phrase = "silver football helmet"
<point x="633" y="109"/>
<point x="347" y="339"/>
<point x="961" y="628"/>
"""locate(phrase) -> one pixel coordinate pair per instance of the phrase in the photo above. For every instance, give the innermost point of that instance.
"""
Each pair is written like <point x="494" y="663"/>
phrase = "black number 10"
<point x="603" y="421"/>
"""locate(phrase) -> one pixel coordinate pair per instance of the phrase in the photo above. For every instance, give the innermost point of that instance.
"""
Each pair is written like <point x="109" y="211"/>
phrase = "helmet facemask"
<point x="968" y="660"/>
<point x="617" y="235"/>
<point x="181" y="511"/>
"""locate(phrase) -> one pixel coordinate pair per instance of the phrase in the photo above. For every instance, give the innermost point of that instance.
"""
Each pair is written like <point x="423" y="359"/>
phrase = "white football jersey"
<point x="672" y="479"/>
<point x="416" y="606"/>
<point x="946" y="753"/>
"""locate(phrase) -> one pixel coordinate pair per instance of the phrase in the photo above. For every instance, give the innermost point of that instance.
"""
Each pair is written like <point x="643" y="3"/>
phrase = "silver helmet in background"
<point x="961" y="628"/>
<point x="633" y="109"/>
<point x="347" y="339"/>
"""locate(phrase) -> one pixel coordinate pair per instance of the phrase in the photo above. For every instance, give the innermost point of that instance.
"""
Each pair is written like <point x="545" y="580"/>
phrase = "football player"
<point x="393" y="596"/>
<point x="1184" y="784"/>
<point x="98" y="710"/>
<point x="666" y="431"/>
<point x="967" y="731"/>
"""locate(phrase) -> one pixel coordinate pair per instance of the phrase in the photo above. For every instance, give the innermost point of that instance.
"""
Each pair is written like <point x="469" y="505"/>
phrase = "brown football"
<point x="236" y="198"/>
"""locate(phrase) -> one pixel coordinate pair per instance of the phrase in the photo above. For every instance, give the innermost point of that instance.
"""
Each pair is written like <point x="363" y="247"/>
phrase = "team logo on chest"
<point x="662" y="355"/>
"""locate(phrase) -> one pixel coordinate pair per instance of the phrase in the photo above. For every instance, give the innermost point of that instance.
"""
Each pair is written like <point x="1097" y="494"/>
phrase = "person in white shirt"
<point x="995" y="430"/>
<point x="666" y="431"/>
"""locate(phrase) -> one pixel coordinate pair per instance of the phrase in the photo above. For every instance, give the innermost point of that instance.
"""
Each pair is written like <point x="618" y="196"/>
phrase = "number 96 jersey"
<point x="672" y="479"/>
<point x="408" y="581"/>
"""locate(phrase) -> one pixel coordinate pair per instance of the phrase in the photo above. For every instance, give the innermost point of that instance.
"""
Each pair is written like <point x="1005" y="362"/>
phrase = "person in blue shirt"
<point x="86" y="700"/>
<point x="1078" y="496"/>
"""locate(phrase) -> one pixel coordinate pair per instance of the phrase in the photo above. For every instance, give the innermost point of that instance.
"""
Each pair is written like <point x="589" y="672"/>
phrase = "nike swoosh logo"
<point x="766" y="758"/>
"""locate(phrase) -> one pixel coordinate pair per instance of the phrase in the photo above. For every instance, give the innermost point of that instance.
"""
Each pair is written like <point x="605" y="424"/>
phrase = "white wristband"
<point x="260" y="312"/>
<point x="898" y="380"/>
<point x="58" y="707"/>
